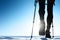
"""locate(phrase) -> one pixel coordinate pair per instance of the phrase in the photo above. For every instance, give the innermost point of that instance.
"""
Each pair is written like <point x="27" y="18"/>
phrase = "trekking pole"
<point x="33" y="22"/>
<point x="53" y="28"/>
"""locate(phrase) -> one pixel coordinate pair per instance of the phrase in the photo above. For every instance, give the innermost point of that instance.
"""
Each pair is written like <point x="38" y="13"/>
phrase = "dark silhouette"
<point x="41" y="14"/>
<point x="50" y="4"/>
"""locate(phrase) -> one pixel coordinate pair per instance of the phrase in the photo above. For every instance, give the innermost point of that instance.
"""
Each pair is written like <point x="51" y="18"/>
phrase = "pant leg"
<point x="41" y="14"/>
<point x="50" y="15"/>
<point x="41" y="9"/>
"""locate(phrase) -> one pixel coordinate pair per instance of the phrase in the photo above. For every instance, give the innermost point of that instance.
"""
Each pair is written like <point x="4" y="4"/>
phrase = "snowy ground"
<point x="28" y="38"/>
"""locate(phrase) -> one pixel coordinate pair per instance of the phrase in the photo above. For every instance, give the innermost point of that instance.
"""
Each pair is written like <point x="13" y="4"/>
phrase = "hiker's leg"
<point x="41" y="14"/>
<point x="49" y="19"/>
<point x="41" y="10"/>
<point x="50" y="16"/>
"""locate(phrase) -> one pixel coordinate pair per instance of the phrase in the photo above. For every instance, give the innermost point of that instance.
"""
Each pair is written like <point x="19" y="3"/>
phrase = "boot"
<point x="48" y="34"/>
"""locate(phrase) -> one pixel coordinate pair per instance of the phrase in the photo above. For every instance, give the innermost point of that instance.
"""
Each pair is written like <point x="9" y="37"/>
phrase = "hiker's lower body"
<point x="41" y="14"/>
<point x="49" y="19"/>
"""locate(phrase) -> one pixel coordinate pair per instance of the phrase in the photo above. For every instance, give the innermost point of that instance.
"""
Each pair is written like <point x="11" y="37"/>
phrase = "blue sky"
<point x="16" y="18"/>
